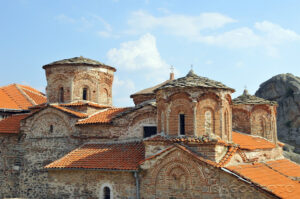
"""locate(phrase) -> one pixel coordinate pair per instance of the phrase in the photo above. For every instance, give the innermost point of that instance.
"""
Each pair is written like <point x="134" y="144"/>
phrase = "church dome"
<point x="192" y="80"/>
<point x="76" y="61"/>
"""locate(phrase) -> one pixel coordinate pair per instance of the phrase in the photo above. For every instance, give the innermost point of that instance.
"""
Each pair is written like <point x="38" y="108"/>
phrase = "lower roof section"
<point x="118" y="156"/>
<point x="268" y="178"/>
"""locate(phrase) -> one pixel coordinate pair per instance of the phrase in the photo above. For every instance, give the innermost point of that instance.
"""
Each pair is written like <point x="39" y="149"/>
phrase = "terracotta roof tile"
<point x="119" y="156"/>
<point x="285" y="167"/>
<point x="249" y="142"/>
<point x="268" y="179"/>
<point x="102" y="117"/>
<point x="72" y="112"/>
<point x="20" y="97"/>
<point x="36" y="97"/>
<point x="80" y="103"/>
<point x="11" y="124"/>
<point x="6" y="102"/>
<point x="227" y="157"/>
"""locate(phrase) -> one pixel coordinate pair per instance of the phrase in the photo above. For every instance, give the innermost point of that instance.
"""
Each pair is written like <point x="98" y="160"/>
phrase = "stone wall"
<point x="41" y="145"/>
<point x="89" y="184"/>
<point x="10" y="163"/>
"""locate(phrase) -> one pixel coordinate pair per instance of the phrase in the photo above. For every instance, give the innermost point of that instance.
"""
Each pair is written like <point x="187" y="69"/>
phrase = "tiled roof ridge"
<point x="127" y="141"/>
<point x="30" y="90"/>
<point x="107" y="120"/>
<point x="88" y="103"/>
<point x="66" y="110"/>
<point x="227" y="157"/>
<point x="25" y="95"/>
<point x="91" y="115"/>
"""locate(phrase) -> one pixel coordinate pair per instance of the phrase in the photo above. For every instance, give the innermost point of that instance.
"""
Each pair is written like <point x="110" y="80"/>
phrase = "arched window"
<point x="51" y="128"/>
<point x="61" y="95"/>
<point x="84" y="93"/>
<point x="162" y="121"/>
<point x="226" y="124"/>
<point x="182" y="124"/>
<point x="106" y="193"/>
<point x="208" y="122"/>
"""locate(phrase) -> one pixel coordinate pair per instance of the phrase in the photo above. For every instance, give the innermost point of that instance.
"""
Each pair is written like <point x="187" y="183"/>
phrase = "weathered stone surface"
<point x="285" y="90"/>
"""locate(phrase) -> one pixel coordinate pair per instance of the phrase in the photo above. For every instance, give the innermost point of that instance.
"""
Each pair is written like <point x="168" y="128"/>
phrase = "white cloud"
<point x="141" y="54"/>
<point x="122" y="90"/>
<point x="205" y="28"/>
<point x="177" y="24"/>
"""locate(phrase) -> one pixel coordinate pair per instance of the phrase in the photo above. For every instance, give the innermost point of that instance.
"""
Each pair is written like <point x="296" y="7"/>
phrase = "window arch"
<point x="85" y="93"/>
<point x="226" y="122"/>
<point x="106" y="191"/>
<point x="208" y="122"/>
<point x="61" y="95"/>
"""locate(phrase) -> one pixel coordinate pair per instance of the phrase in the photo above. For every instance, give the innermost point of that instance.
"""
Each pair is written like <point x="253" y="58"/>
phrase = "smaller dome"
<point x="75" y="61"/>
<point x="246" y="98"/>
<point x="192" y="80"/>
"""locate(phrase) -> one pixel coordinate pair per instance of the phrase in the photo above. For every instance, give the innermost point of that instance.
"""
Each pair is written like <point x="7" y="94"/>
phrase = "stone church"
<point x="184" y="138"/>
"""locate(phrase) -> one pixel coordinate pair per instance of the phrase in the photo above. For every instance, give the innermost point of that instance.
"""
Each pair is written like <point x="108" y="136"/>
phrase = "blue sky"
<point x="240" y="43"/>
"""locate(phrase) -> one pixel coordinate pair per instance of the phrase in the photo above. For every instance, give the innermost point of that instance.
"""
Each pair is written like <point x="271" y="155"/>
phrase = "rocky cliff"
<point x="285" y="89"/>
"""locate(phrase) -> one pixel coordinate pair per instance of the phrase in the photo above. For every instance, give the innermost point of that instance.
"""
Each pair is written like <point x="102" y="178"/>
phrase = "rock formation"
<point x="285" y="89"/>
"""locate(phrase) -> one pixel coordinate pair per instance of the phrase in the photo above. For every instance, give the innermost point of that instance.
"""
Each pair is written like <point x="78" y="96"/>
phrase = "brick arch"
<point x="181" y="106"/>
<point x="180" y="95"/>
<point x="209" y="95"/>
<point x="105" y="94"/>
<point x="82" y="80"/>
<point x="208" y="104"/>
<point x="263" y="107"/>
<point x="260" y="122"/>
<point x="241" y="120"/>
<point x="178" y="173"/>
<point x="229" y="99"/>
<point x="48" y="117"/>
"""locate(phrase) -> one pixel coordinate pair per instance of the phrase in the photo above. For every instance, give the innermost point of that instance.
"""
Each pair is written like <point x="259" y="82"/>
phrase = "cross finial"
<point x="172" y="69"/>
<point x="192" y="66"/>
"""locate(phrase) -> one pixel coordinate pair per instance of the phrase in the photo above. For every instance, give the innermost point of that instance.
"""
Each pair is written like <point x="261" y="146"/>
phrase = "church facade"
<point x="184" y="138"/>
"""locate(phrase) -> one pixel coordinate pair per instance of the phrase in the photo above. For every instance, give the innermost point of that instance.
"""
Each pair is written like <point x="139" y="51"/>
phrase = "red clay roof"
<point x="72" y="112"/>
<point x="80" y="103"/>
<point x="268" y="179"/>
<point x="103" y="117"/>
<point x="249" y="142"/>
<point x="11" y="124"/>
<point x="21" y="97"/>
<point x="285" y="167"/>
<point x="119" y="156"/>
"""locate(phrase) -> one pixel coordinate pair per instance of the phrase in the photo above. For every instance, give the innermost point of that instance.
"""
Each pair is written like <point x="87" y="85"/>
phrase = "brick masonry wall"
<point x="195" y="103"/>
<point x="176" y="175"/>
<point x="74" y="78"/>
<point x="255" y="120"/>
